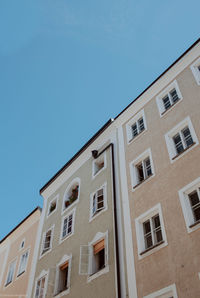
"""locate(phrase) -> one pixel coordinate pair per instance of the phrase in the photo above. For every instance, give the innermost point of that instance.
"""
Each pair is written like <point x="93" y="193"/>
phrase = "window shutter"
<point x="64" y="266"/>
<point x="84" y="260"/>
<point x="98" y="246"/>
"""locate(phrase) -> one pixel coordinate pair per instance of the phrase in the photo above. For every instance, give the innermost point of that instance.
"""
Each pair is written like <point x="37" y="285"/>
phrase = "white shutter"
<point x="84" y="260"/>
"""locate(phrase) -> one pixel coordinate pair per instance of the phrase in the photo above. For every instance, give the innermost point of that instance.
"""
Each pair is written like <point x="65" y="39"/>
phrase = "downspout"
<point x="96" y="154"/>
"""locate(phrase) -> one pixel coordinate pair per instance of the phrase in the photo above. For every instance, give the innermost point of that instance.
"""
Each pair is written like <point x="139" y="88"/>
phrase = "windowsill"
<point x="142" y="181"/>
<point x="170" y="107"/>
<point x="70" y="206"/>
<point x="8" y="283"/>
<point x="62" y="293"/>
<point x="20" y="273"/>
<point x="152" y="247"/>
<point x="136" y="137"/>
<point x="44" y="253"/>
<point x="195" y="224"/>
<point x="97" y="173"/>
<point x="177" y="155"/>
<point x="98" y="273"/>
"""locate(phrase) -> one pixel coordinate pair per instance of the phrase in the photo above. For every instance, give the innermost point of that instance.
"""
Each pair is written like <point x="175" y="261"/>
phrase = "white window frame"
<point x="91" y="276"/>
<point x="164" y="293"/>
<point x="102" y="157"/>
<point x="166" y="91"/>
<point x="69" y="187"/>
<point x="196" y="71"/>
<point x="6" y="281"/>
<point x="95" y="215"/>
<point x="43" y="239"/>
<point x="18" y="272"/>
<point x="71" y="212"/>
<point x="64" y="259"/>
<point x="134" y="172"/>
<point x="129" y="125"/>
<point x="55" y="199"/>
<point x="185" y="204"/>
<point x="42" y="275"/>
<point x="142" y="251"/>
<point x="173" y="156"/>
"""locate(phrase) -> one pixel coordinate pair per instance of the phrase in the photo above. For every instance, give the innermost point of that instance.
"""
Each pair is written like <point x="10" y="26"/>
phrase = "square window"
<point x="141" y="168"/>
<point x="195" y="67"/>
<point x="23" y="263"/>
<point x="98" y="165"/>
<point x="11" y="271"/>
<point x="98" y="201"/>
<point x="150" y="231"/>
<point x="136" y="126"/>
<point x="40" y="288"/>
<point x="168" y="98"/>
<point x="68" y="225"/>
<point x="47" y="241"/>
<point x="190" y="203"/>
<point x="180" y="138"/>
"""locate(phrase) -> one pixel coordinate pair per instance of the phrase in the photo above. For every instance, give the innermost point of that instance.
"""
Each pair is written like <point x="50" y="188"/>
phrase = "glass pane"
<point x="178" y="143"/>
<point x="194" y="199"/>
<point x="166" y="102"/>
<point x="158" y="235"/>
<point x="141" y="124"/>
<point x="147" y="227"/>
<point x="196" y="212"/>
<point x="174" y="95"/>
<point x="134" y="130"/>
<point x="140" y="172"/>
<point x="156" y="221"/>
<point x="187" y="136"/>
<point x="148" y="241"/>
<point x="147" y="165"/>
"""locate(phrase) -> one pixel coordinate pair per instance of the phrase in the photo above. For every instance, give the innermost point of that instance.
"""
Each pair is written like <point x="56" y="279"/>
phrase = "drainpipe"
<point x="95" y="155"/>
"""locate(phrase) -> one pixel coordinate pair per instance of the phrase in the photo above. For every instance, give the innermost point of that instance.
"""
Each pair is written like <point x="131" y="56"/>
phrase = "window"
<point x="23" y="263"/>
<point x="22" y="244"/>
<point x="98" y="165"/>
<point x="168" y="292"/>
<point x="52" y="205"/>
<point x="150" y="231"/>
<point x="136" y="126"/>
<point x="93" y="257"/>
<point x="71" y="194"/>
<point x="141" y="168"/>
<point x="195" y="67"/>
<point x="40" y="288"/>
<point x="190" y="203"/>
<point x="68" y="225"/>
<point x="168" y="98"/>
<point x="11" y="271"/>
<point x="98" y="201"/>
<point x="47" y="241"/>
<point x="62" y="282"/>
<point x="180" y="139"/>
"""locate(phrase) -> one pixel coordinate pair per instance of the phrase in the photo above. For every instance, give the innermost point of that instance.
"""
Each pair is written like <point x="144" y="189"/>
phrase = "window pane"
<point x="187" y="136"/>
<point x="141" y="124"/>
<point x="140" y="172"/>
<point x="147" y="227"/>
<point x="134" y="130"/>
<point x="166" y="102"/>
<point x="194" y="199"/>
<point x="178" y="143"/>
<point x="195" y="204"/>
<point x="174" y="95"/>
<point x="147" y="165"/>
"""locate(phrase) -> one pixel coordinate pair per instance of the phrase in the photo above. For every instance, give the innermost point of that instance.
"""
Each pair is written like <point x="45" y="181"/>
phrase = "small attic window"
<point x="71" y="195"/>
<point x="52" y="207"/>
<point x="22" y="244"/>
<point x="98" y="164"/>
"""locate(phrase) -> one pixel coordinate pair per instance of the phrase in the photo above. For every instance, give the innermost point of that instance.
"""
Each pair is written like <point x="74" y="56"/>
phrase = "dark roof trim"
<point x="37" y="208"/>
<point x="99" y="132"/>
<point x="193" y="45"/>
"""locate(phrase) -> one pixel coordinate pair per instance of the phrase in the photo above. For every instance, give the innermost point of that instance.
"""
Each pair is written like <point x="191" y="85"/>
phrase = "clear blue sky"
<point x="66" y="67"/>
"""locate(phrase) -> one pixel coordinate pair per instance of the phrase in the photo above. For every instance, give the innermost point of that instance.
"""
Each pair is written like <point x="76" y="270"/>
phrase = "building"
<point x="16" y="256"/>
<point x="122" y="217"/>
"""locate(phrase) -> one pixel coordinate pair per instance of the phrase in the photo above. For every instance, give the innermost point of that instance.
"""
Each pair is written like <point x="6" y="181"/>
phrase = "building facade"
<point x="16" y="256"/>
<point x="122" y="217"/>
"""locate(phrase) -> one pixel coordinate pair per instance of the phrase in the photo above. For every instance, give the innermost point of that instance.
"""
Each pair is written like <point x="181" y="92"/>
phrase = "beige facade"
<point x="16" y="255"/>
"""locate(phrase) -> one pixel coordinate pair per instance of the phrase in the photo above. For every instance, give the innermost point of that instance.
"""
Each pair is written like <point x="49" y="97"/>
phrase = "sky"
<point x="66" y="68"/>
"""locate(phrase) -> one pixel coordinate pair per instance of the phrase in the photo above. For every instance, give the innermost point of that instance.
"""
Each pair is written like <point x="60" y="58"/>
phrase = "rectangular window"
<point x="195" y="67"/>
<point x="23" y="263"/>
<point x="98" y="164"/>
<point x="63" y="276"/>
<point x="182" y="140"/>
<point x="194" y="198"/>
<point x="40" y="288"/>
<point x="136" y="126"/>
<point x="98" y="201"/>
<point x="67" y="226"/>
<point x="11" y="271"/>
<point x="47" y="241"/>
<point x="152" y="231"/>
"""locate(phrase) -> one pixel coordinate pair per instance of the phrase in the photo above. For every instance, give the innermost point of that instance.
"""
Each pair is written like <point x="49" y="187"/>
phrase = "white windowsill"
<point x="99" y="273"/>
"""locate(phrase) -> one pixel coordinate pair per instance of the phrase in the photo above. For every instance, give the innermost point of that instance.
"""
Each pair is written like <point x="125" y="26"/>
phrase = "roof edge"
<point x="21" y="222"/>
<point x="99" y="132"/>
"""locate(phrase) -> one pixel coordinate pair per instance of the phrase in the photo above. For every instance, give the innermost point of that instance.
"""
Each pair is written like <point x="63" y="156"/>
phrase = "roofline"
<point x="99" y="132"/>
<point x="37" y="208"/>
<point x="193" y="45"/>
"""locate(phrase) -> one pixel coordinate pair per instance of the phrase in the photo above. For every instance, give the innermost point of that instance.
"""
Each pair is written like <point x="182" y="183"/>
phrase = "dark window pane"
<point x="148" y="241"/>
<point x="194" y="199"/>
<point x="134" y="130"/>
<point x="147" y="227"/>
<point x="166" y="102"/>
<point x="178" y="143"/>
<point x="174" y="95"/>
<point x="187" y="136"/>
<point x="156" y="221"/>
<point x="141" y="124"/>
<point x="140" y="172"/>
<point x="147" y="163"/>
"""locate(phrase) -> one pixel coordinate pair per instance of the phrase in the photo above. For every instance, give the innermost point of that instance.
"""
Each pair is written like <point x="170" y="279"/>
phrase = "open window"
<point x="98" y="164"/>
<point x="71" y="194"/>
<point x="62" y="282"/>
<point x="47" y="241"/>
<point x="41" y="285"/>
<point x="11" y="271"/>
<point x="93" y="257"/>
<point x="52" y="205"/>
<point x="98" y="201"/>
<point x="23" y="263"/>
<point x="136" y="126"/>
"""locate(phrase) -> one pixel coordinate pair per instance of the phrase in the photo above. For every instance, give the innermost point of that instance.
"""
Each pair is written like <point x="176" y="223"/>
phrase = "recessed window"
<point x="136" y="126"/>
<point x="190" y="203"/>
<point x="23" y="263"/>
<point x="195" y="67"/>
<point x="40" y="288"/>
<point x="98" y="164"/>
<point x="168" y="98"/>
<point x="93" y="257"/>
<point x="168" y="292"/>
<point x="63" y="277"/>
<point x="150" y="231"/>
<point x="52" y="205"/>
<point x="22" y="244"/>
<point x="98" y="201"/>
<point x="141" y="168"/>
<point x="71" y="194"/>
<point x="47" y="241"/>
<point x="11" y="271"/>
<point x="68" y="225"/>
<point x="180" y="139"/>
